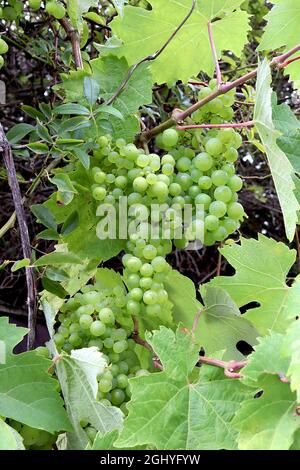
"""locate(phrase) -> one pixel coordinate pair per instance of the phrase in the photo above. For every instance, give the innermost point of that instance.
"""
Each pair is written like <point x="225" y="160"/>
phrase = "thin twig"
<point x="234" y="125"/>
<point x="219" y="265"/>
<point x="214" y="53"/>
<point x="150" y="57"/>
<point x="75" y="42"/>
<point x="135" y="336"/>
<point x="178" y="116"/>
<point x="24" y="234"/>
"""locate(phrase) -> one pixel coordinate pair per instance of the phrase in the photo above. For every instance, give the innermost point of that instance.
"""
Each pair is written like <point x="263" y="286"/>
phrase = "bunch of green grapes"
<point x="33" y="439"/>
<point x="90" y="319"/>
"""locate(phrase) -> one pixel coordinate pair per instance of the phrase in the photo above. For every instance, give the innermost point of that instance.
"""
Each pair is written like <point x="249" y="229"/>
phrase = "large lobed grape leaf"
<point x="282" y="30"/>
<point x="281" y="168"/>
<point x="220" y="325"/>
<point x="177" y="409"/>
<point x="261" y="269"/>
<point x="143" y="32"/>
<point x="77" y="374"/>
<point x="28" y="393"/>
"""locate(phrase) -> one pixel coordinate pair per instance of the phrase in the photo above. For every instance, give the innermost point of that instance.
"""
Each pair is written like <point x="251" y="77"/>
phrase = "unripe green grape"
<point x="203" y="161"/>
<point x="133" y="307"/>
<point x="205" y="182"/>
<point x="215" y="106"/>
<point x="98" y="343"/>
<point x="146" y="282"/>
<point x="97" y="328"/>
<point x="149" y="252"/>
<point x="55" y="9"/>
<point x="211" y="223"/>
<point x="3" y="47"/>
<point x="229" y="169"/>
<point x="235" y="183"/>
<point x="103" y="141"/>
<point x="218" y="208"/>
<point x="223" y="193"/>
<point x="110" y="178"/>
<point x="136" y="294"/>
<point x="237" y="141"/>
<point x="220" y="234"/>
<point x="133" y="280"/>
<point x="131" y="152"/>
<point x="143" y="160"/>
<point x="168" y="159"/>
<point x="235" y="211"/>
<point x="205" y="91"/>
<point x="123" y="367"/>
<point x="106" y="316"/>
<point x="140" y="184"/>
<point x="91" y="297"/>
<point x="35" y="4"/>
<point x="170" y="138"/>
<point x="75" y="340"/>
<point x="150" y="297"/>
<point x="99" y="193"/>
<point x="231" y="155"/>
<point x="214" y="147"/>
<point x="230" y="225"/>
<point x="146" y="270"/>
<point x="134" y="198"/>
<point x="167" y="169"/>
<point x="114" y="357"/>
<point x="183" y="164"/>
<point x="1" y="61"/>
<point x="175" y="189"/>
<point x="219" y="178"/>
<point x="117" y="396"/>
<point x="185" y="180"/>
<point x="59" y="339"/>
<point x="122" y="381"/>
<point x="194" y="191"/>
<point x="74" y="327"/>
<point x="159" y="264"/>
<point x="104" y="385"/>
<point x="226" y="114"/>
<point x="196" y="174"/>
<point x="226" y="136"/>
<point x="108" y="343"/>
<point x="203" y="199"/>
<point x="133" y="264"/>
<point x="120" y="346"/>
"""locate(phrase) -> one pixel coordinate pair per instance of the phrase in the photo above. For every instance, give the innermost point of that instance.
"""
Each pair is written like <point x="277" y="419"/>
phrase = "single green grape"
<point x="203" y="161"/>
<point x="235" y="211"/>
<point x="3" y="47"/>
<point x="97" y="328"/>
<point x="223" y="193"/>
<point x="218" y="209"/>
<point x="170" y="138"/>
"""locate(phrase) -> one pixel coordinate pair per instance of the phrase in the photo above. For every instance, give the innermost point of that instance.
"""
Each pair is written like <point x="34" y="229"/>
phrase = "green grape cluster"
<point x="33" y="439"/>
<point x="12" y="10"/>
<point x="90" y="319"/>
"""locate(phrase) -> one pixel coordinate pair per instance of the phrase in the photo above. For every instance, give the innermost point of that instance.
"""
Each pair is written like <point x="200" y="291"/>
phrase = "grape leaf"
<point x="170" y="410"/>
<point x="270" y="421"/>
<point x="291" y="349"/>
<point x="261" y="269"/>
<point x="28" y="393"/>
<point x="284" y="119"/>
<point x="266" y="359"/>
<point x="10" y="334"/>
<point x="76" y="8"/>
<point x="289" y="143"/>
<point x="9" y="438"/>
<point x="220" y="325"/>
<point x="281" y="169"/>
<point x="78" y="376"/>
<point x="282" y="30"/>
<point x="143" y="32"/>
<point x="89" y="247"/>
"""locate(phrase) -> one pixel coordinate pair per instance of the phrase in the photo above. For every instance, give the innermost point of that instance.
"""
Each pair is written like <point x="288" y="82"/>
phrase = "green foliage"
<point x="261" y="269"/>
<point x="192" y="412"/>
<point x="281" y="168"/>
<point x="28" y="393"/>
<point x="143" y="32"/>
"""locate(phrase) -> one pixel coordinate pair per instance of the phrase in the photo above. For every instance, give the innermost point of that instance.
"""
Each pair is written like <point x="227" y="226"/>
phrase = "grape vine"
<point x="137" y="140"/>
